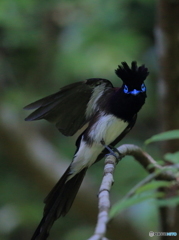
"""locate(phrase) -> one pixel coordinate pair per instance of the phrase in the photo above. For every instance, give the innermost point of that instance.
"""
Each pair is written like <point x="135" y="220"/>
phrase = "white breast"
<point x="108" y="128"/>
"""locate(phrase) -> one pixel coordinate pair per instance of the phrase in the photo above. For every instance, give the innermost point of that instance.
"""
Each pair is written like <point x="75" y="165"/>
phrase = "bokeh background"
<point x="45" y="45"/>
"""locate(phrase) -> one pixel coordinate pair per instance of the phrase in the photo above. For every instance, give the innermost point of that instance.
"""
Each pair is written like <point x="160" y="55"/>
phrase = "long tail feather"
<point x="58" y="202"/>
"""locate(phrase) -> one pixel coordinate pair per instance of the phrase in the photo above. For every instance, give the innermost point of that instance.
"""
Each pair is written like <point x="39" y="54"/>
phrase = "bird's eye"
<point x="143" y="88"/>
<point x="126" y="89"/>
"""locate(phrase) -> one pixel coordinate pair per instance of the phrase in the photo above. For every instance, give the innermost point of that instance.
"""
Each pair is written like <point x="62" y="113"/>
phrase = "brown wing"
<point x="67" y="107"/>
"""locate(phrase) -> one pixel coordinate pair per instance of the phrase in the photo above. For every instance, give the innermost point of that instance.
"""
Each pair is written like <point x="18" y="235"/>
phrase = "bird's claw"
<point x="112" y="151"/>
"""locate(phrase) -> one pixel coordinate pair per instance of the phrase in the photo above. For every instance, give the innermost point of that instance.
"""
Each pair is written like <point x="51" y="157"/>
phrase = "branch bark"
<point x="110" y="163"/>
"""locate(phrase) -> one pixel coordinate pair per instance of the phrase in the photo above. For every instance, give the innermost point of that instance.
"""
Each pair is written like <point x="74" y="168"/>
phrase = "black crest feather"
<point x="134" y="73"/>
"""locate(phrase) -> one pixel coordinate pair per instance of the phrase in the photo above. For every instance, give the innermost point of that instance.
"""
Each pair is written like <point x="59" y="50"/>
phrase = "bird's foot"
<point x="112" y="151"/>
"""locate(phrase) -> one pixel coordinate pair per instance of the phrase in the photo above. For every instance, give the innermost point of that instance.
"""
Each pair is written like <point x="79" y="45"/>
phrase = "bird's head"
<point x="133" y="78"/>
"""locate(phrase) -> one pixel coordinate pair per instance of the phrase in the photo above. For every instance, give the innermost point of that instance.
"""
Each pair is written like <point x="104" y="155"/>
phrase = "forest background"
<point x="45" y="45"/>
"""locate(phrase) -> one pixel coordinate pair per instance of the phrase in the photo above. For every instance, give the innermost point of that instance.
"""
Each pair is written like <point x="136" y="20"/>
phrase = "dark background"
<point x="45" y="45"/>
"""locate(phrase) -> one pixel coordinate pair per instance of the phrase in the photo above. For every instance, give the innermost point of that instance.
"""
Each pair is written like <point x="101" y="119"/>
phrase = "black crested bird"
<point x="110" y="113"/>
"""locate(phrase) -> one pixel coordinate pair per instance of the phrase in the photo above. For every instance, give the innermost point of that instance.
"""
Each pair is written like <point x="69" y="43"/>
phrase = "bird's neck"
<point x="125" y="106"/>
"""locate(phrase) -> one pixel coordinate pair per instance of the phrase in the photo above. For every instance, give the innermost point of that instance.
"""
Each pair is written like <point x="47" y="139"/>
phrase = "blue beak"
<point x="135" y="92"/>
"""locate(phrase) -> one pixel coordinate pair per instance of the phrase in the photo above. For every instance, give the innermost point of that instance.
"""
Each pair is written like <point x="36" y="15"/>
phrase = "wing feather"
<point x="67" y="107"/>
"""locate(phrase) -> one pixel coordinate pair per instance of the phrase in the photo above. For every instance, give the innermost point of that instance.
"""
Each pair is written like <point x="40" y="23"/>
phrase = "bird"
<point x="108" y="113"/>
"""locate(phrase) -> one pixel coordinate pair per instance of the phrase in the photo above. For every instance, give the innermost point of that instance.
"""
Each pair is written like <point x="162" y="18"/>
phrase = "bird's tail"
<point x="58" y="202"/>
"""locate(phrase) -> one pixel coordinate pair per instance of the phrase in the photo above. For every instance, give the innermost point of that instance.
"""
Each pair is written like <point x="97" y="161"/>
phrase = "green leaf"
<point x="173" y="157"/>
<point x="169" y="135"/>
<point x="172" y="202"/>
<point x="153" y="185"/>
<point x="124" y="204"/>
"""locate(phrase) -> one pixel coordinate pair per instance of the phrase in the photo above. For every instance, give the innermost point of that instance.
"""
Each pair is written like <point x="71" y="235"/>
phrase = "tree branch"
<point x="110" y="163"/>
<point x="103" y="196"/>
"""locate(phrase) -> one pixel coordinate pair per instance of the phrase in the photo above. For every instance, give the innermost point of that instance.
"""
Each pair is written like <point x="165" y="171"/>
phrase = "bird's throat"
<point x="125" y="106"/>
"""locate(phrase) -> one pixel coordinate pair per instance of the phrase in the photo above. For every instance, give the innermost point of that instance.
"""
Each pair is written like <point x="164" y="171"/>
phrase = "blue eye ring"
<point x="143" y="88"/>
<point x="125" y="89"/>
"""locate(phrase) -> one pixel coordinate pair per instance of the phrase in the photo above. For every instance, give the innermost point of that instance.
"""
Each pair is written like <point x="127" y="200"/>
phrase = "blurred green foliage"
<point x="47" y="44"/>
